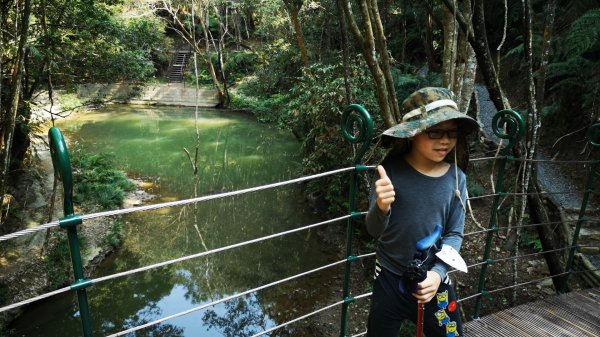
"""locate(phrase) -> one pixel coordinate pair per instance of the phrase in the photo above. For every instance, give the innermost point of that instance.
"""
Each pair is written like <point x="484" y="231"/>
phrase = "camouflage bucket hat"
<point x="427" y="107"/>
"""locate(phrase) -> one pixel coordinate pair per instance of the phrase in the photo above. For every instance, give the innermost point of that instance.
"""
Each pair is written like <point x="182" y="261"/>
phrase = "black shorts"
<point x="390" y="306"/>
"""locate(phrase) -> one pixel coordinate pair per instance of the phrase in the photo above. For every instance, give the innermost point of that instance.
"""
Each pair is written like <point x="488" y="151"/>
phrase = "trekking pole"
<point x="417" y="270"/>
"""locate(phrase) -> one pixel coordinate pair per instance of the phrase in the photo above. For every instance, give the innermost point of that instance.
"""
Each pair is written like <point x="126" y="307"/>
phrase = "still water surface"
<point x="235" y="152"/>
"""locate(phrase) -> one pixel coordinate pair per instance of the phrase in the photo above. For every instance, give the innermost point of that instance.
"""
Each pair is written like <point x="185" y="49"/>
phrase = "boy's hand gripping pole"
<point x="417" y="270"/>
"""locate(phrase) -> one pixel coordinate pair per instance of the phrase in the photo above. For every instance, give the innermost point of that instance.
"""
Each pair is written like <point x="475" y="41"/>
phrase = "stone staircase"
<point x="177" y="67"/>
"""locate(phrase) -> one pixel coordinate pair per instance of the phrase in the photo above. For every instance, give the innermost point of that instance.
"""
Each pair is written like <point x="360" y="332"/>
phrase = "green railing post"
<point x="62" y="169"/>
<point x="357" y="127"/>
<point x="594" y="140"/>
<point x="506" y="124"/>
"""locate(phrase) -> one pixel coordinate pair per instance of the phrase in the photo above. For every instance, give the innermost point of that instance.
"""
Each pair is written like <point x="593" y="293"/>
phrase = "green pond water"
<point x="235" y="153"/>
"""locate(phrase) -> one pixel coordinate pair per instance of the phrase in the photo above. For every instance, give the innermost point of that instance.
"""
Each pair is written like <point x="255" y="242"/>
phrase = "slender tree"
<point x="477" y="36"/>
<point x="372" y="40"/>
<point x="9" y="115"/>
<point x="537" y="208"/>
<point x="293" y="8"/>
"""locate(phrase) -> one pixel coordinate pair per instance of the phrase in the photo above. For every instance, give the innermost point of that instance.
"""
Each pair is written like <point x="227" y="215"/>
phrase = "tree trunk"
<point x="547" y="236"/>
<point x="476" y="35"/>
<point x="203" y="16"/>
<point x="450" y="46"/>
<point x="9" y="119"/>
<point x="376" y="56"/>
<point x="293" y="9"/>
<point x="484" y="58"/>
<point x="345" y="54"/>
<point x="466" y="69"/>
<point x="546" y="44"/>
<point x="429" y="38"/>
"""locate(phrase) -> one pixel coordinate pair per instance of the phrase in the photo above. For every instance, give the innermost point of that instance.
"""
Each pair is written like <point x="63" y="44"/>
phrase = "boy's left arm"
<point x="454" y="230"/>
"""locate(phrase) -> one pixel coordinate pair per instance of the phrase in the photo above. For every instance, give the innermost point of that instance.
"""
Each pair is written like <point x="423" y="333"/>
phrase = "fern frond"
<point x="567" y="84"/>
<point x="573" y="67"/>
<point x="584" y="33"/>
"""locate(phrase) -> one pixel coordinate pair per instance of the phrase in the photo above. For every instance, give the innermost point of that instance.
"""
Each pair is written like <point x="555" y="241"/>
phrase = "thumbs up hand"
<point x="385" y="191"/>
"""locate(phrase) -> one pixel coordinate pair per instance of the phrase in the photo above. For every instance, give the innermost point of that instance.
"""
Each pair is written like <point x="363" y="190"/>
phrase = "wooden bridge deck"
<point x="574" y="314"/>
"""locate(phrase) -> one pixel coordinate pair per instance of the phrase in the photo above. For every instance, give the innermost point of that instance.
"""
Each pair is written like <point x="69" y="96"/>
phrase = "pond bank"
<point x="27" y="265"/>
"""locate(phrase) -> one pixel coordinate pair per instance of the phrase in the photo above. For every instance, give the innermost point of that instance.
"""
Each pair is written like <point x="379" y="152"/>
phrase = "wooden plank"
<point x="561" y="317"/>
<point x="498" y="322"/>
<point x="522" y="325"/>
<point x="575" y="314"/>
<point x="488" y="326"/>
<point x="584" y="313"/>
<point x="546" y="323"/>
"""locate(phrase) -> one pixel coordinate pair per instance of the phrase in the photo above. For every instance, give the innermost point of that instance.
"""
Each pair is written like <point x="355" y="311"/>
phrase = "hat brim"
<point x="409" y="128"/>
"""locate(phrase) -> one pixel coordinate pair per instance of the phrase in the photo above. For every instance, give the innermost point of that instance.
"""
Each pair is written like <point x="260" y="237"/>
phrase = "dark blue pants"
<point x="390" y="306"/>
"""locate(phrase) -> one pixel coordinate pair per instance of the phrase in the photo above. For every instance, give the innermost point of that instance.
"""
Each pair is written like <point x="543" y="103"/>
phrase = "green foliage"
<point x="314" y="114"/>
<point x="406" y="81"/>
<point x="474" y="188"/>
<point x="266" y="110"/>
<point x="573" y="75"/>
<point x="96" y="182"/>
<point x="89" y="41"/>
<point x="530" y="240"/>
<point x="58" y="262"/>
<point x="584" y="34"/>
<point x="277" y="73"/>
<point x="240" y="64"/>
<point x="114" y="237"/>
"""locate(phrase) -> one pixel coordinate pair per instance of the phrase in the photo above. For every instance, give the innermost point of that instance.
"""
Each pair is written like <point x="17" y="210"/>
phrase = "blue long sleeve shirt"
<point x="421" y="202"/>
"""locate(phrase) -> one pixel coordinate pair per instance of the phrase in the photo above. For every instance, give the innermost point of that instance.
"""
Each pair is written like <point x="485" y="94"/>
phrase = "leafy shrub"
<point x="314" y="114"/>
<point x="277" y="72"/>
<point x="114" y="237"/>
<point x="475" y="189"/>
<point x="240" y="64"/>
<point x="96" y="182"/>
<point x="58" y="261"/>
<point x="267" y="110"/>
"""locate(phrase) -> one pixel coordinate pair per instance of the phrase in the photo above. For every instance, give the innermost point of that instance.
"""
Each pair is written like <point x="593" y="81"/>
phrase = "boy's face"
<point x="435" y="143"/>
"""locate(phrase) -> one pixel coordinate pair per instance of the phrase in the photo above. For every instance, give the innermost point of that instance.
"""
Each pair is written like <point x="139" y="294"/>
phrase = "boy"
<point x="416" y="190"/>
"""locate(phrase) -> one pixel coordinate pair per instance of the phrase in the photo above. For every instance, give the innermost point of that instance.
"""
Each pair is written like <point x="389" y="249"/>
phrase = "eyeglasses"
<point x="439" y="133"/>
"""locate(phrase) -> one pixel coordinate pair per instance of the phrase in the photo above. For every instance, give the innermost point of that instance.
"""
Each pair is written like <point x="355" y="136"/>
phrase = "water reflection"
<point x="235" y="153"/>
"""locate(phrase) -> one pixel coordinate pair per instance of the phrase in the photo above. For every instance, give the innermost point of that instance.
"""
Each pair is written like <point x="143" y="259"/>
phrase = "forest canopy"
<point x="298" y="63"/>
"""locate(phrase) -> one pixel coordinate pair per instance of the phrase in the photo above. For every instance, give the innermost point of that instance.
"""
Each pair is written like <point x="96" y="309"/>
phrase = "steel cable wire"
<point x="522" y="256"/>
<point x="204" y="306"/>
<point x="522" y="284"/>
<point x="531" y="225"/>
<point x="535" y="160"/>
<point x="309" y="314"/>
<point x="184" y="258"/>
<point x="179" y="202"/>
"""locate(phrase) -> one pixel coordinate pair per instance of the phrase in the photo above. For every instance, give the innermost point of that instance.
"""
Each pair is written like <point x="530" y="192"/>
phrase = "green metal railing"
<point x="357" y="128"/>
<point x="506" y="124"/>
<point x="62" y="170"/>
<point x="594" y="141"/>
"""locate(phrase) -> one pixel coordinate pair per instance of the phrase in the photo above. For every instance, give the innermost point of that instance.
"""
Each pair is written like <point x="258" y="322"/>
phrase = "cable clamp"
<point x="361" y="168"/>
<point x="81" y="284"/>
<point x="70" y="221"/>
<point x="356" y="214"/>
<point x="349" y="299"/>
